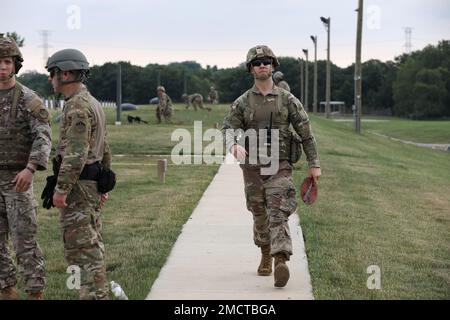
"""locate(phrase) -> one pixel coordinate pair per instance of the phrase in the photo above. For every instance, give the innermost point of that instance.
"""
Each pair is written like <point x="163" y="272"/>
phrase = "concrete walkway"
<point x="214" y="258"/>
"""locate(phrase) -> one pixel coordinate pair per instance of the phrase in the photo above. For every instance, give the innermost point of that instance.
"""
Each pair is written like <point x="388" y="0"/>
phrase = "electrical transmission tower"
<point x="45" y="46"/>
<point x="408" y="45"/>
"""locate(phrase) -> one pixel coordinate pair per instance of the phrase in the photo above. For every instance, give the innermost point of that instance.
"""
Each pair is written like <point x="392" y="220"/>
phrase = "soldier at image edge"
<point x="271" y="198"/>
<point x="25" y="145"/>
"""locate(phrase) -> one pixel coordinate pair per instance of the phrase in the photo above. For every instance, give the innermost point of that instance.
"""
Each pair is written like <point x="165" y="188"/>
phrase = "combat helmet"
<point x="9" y="48"/>
<point x="260" y="51"/>
<point x="278" y="76"/>
<point x="67" y="60"/>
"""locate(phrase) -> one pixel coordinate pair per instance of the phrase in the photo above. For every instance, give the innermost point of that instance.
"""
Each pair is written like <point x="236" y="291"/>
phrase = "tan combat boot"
<point x="35" y="296"/>
<point x="281" y="273"/>
<point x="265" y="267"/>
<point x="9" y="293"/>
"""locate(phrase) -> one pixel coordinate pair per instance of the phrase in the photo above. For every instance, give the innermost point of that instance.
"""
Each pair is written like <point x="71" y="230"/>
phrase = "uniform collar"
<point x="275" y="90"/>
<point x="82" y="89"/>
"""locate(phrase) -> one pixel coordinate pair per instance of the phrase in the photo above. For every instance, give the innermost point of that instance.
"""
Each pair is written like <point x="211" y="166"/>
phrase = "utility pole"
<point x="158" y="78"/>
<point x="302" y="96"/>
<point x="119" y="94"/>
<point x="358" y="69"/>
<point x="305" y="51"/>
<point x="327" y="24"/>
<point x="185" y="82"/>
<point x="314" y="40"/>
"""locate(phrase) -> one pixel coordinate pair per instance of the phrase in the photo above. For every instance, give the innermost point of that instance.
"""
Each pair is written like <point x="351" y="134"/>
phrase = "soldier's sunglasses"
<point x="257" y="62"/>
<point x="53" y="72"/>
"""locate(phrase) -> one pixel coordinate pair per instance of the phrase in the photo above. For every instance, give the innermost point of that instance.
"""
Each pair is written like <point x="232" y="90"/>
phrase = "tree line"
<point x="414" y="86"/>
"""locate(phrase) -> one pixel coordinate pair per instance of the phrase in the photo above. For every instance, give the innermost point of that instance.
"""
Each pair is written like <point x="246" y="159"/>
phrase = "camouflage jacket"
<point x="252" y="111"/>
<point x="165" y="102"/>
<point x="82" y="138"/>
<point x="25" y="133"/>
<point x="283" y="84"/>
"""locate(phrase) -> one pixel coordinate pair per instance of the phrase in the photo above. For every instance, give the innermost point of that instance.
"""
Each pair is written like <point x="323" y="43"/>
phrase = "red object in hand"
<point x="308" y="191"/>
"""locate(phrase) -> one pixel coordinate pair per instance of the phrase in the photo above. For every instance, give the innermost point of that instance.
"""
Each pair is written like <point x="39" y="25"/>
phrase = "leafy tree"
<point x="18" y="39"/>
<point x="38" y="82"/>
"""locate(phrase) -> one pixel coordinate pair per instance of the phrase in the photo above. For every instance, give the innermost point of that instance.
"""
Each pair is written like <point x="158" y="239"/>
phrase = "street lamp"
<point x="358" y="68"/>
<point x="314" y="40"/>
<point x="327" y="24"/>
<point x="305" y="51"/>
<point x="302" y="96"/>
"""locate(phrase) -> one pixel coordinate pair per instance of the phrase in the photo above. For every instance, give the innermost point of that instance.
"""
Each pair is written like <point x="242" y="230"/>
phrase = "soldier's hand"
<point x="59" y="200"/>
<point x="315" y="173"/>
<point x="103" y="199"/>
<point x="23" y="180"/>
<point x="238" y="152"/>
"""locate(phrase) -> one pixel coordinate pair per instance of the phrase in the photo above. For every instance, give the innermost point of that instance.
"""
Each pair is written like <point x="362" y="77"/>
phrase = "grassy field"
<point x="416" y="131"/>
<point x="143" y="217"/>
<point x="380" y="203"/>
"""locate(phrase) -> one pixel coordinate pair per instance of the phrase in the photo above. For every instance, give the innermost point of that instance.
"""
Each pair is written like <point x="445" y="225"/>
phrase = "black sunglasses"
<point x="53" y="72"/>
<point x="257" y="62"/>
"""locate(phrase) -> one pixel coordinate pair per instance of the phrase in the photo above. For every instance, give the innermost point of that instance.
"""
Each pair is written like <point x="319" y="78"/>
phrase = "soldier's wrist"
<point x="29" y="168"/>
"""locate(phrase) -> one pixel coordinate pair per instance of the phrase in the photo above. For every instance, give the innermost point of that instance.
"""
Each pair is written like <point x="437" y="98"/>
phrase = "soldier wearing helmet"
<point x="25" y="144"/>
<point x="213" y="96"/>
<point x="81" y="154"/>
<point x="164" y="108"/>
<point x="278" y="79"/>
<point x="270" y="197"/>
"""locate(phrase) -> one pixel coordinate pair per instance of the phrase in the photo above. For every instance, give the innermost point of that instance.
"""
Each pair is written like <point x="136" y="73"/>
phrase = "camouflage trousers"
<point x="271" y="199"/>
<point x="165" y="113"/>
<point x="83" y="243"/>
<point x="18" y="219"/>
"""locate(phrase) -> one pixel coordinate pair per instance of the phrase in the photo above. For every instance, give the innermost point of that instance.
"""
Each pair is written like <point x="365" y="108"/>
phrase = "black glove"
<point x="47" y="193"/>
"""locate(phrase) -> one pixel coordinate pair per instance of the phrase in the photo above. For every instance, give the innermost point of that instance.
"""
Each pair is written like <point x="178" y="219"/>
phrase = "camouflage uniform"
<point x="83" y="142"/>
<point x="213" y="96"/>
<point x="24" y="138"/>
<point x="164" y="109"/>
<point x="196" y="100"/>
<point x="283" y="84"/>
<point x="271" y="199"/>
<point x="278" y="78"/>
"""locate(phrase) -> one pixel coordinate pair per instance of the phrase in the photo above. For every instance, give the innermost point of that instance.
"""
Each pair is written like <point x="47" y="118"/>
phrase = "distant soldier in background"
<point x="82" y="153"/>
<point x="213" y="96"/>
<point x="165" y="108"/>
<point x="25" y="144"/>
<point x="278" y="78"/>
<point x="195" y="99"/>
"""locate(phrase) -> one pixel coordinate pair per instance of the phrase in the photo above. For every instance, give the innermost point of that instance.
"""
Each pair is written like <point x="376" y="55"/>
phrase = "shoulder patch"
<point x="38" y="110"/>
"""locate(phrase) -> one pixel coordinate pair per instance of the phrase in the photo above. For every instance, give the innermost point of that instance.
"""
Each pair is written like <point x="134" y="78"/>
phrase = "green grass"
<point x="380" y="203"/>
<point x="416" y="131"/>
<point x="143" y="217"/>
<point x="141" y="222"/>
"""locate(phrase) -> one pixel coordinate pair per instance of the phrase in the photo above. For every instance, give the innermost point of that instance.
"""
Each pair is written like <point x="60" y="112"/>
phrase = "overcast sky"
<point x="220" y="32"/>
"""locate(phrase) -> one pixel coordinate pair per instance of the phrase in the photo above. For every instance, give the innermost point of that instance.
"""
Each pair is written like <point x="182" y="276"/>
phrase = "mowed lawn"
<point x="143" y="217"/>
<point x="435" y="132"/>
<point x="380" y="203"/>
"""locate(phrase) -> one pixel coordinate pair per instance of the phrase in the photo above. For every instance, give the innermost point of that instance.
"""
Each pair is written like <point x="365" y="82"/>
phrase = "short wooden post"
<point x="162" y="168"/>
